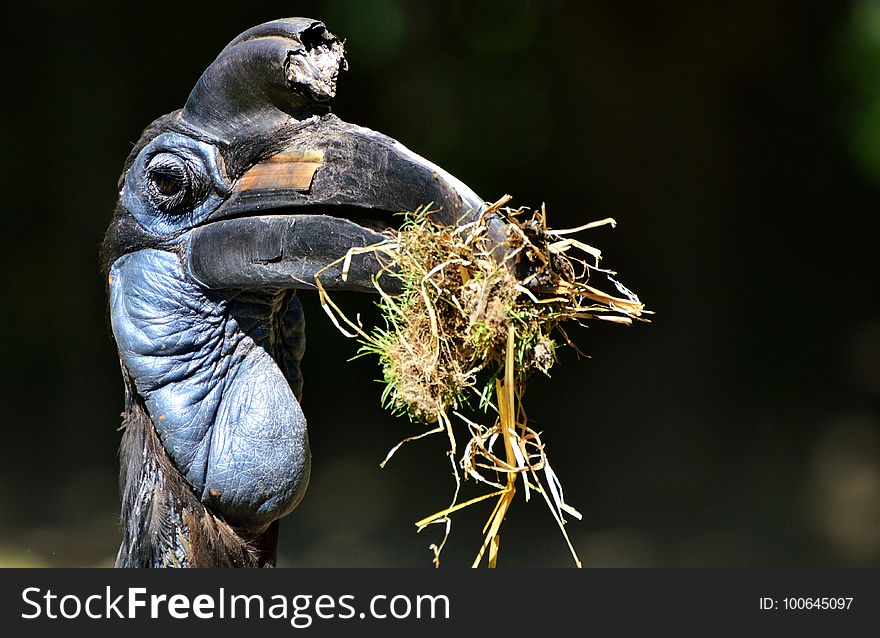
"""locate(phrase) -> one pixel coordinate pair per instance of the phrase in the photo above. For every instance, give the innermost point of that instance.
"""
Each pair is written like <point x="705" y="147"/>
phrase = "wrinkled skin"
<point x="219" y="373"/>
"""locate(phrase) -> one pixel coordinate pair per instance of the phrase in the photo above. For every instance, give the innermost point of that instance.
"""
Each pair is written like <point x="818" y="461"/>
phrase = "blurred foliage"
<point x="373" y="31"/>
<point x="857" y="59"/>
<point x="736" y="144"/>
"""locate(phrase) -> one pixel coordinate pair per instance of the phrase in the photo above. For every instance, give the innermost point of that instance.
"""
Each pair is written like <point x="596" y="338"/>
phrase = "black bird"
<point x="225" y="208"/>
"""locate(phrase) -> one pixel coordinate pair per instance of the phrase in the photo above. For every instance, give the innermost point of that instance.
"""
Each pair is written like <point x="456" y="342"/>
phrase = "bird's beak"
<point x="335" y="187"/>
<point x="332" y="187"/>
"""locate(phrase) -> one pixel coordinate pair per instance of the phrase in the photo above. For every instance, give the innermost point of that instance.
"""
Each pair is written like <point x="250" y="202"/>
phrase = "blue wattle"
<point x="219" y="374"/>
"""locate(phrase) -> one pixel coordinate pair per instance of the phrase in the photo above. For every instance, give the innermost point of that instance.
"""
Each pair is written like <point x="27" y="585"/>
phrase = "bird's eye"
<point x="173" y="185"/>
<point x="168" y="183"/>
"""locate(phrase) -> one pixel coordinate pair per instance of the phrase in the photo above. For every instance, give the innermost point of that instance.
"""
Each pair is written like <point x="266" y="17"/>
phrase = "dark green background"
<point x="735" y="143"/>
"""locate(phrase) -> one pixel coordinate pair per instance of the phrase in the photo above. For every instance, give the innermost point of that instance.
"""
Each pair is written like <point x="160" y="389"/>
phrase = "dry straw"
<point x="466" y="327"/>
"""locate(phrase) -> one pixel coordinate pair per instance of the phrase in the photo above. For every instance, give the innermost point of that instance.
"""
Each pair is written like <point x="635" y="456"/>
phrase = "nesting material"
<point x="468" y="326"/>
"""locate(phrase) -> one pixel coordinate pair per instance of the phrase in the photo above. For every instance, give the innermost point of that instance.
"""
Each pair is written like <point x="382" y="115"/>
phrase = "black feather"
<point x="163" y="522"/>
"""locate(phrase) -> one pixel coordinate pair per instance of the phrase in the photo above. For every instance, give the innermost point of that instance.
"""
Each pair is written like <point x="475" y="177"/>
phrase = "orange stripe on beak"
<point x="288" y="170"/>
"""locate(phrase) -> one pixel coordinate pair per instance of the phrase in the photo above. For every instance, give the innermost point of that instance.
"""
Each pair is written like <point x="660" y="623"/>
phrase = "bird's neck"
<point x="163" y="522"/>
<point x="217" y="373"/>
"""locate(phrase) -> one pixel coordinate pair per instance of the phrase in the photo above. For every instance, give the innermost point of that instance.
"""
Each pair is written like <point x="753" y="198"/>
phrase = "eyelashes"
<point x="175" y="184"/>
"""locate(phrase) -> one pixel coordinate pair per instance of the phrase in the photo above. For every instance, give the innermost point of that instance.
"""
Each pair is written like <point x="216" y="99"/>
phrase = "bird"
<point x="226" y="208"/>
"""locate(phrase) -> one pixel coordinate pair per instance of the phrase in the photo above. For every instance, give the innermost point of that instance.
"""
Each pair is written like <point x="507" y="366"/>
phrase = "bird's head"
<point x="254" y="184"/>
<point x="248" y="191"/>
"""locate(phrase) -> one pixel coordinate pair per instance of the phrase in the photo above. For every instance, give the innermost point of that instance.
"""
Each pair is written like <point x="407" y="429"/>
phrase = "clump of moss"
<point x="445" y="327"/>
<point x="470" y="322"/>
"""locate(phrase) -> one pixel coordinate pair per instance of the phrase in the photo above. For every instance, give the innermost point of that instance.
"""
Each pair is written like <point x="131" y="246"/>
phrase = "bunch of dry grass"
<point x="468" y="328"/>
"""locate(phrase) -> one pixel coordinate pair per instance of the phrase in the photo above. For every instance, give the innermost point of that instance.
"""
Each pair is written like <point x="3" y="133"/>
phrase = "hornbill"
<point x="225" y="208"/>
